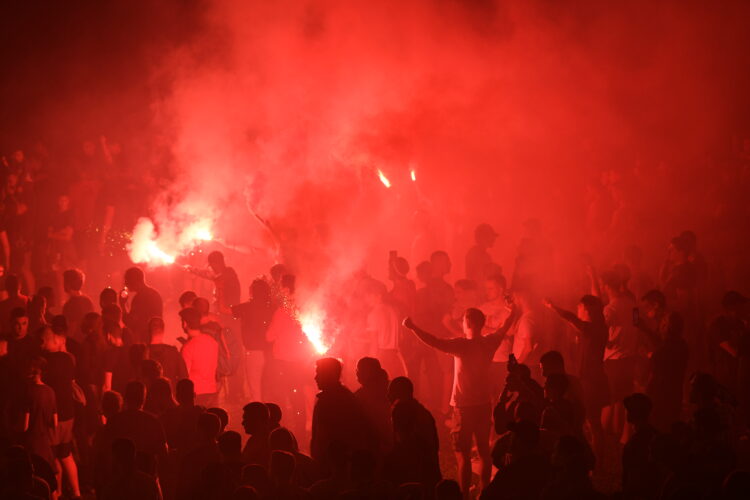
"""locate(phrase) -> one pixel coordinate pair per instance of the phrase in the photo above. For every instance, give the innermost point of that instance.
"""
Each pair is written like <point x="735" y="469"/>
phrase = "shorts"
<point x="620" y="374"/>
<point x="62" y="439"/>
<point x="471" y="422"/>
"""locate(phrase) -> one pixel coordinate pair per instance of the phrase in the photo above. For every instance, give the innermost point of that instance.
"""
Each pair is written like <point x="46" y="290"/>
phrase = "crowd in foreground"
<point x="541" y="399"/>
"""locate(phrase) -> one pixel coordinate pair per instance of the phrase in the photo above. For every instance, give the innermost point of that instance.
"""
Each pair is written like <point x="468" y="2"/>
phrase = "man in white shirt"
<point x="471" y="397"/>
<point x="383" y="328"/>
<point x="496" y="311"/>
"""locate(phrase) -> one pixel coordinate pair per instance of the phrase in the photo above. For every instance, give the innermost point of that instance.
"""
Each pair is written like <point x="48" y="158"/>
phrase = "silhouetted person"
<point x="223" y="416"/>
<point x="519" y="389"/>
<point x="230" y="449"/>
<point x="448" y="489"/>
<point x="108" y="297"/>
<point x="59" y="374"/>
<point x="206" y="451"/>
<point x="145" y="304"/>
<point x="159" y="399"/>
<point x="561" y="415"/>
<point x="592" y="333"/>
<point x="78" y="304"/>
<point x="256" y="477"/>
<point x="571" y="478"/>
<point x="255" y="422"/>
<point x="471" y="397"/>
<point x="414" y="457"/>
<point x="306" y="471"/>
<point x="528" y="470"/>
<point x="668" y="365"/>
<point x="479" y="264"/>
<point x="172" y="363"/>
<point x="638" y="471"/>
<point x="18" y="480"/>
<point x="15" y="299"/>
<point x="255" y="316"/>
<point x="401" y="390"/>
<point x="127" y="481"/>
<point x="728" y="333"/>
<point x="39" y="409"/>
<point x="338" y="416"/>
<point x="201" y="355"/>
<point x="180" y="423"/>
<point x="383" y="327"/>
<point x="142" y="428"/>
<point x="373" y="395"/>
<point x="281" y="471"/>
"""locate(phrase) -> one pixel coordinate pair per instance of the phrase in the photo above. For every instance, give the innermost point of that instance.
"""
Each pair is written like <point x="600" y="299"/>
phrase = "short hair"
<point x="187" y="298"/>
<point x="368" y="364"/>
<point x="424" y="269"/>
<point x="191" y="317"/>
<point x="111" y="403"/>
<point x="230" y="443"/>
<point x="282" y="464"/>
<point x="156" y="324"/>
<point x="331" y="366"/>
<point x="656" y="297"/>
<point x="639" y="405"/>
<point x="18" y="312"/>
<point x="216" y="256"/>
<point x="185" y="391"/>
<point x="733" y="299"/>
<point x="439" y="254"/>
<point x="594" y="307"/>
<point x="475" y="317"/>
<point x="277" y="271"/>
<point x="553" y="358"/>
<point x="36" y="366"/>
<point x="275" y="413"/>
<point x="612" y="279"/>
<point x="401" y="265"/>
<point x="135" y="275"/>
<point x="448" y="489"/>
<point x="209" y="425"/>
<point x="282" y="438"/>
<point x="222" y="414"/>
<point x="73" y="279"/>
<point x="135" y="394"/>
<point x="260" y="289"/>
<point x="402" y="386"/>
<point x="257" y="411"/>
<point x="202" y="305"/>
<point x="60" y="324"/>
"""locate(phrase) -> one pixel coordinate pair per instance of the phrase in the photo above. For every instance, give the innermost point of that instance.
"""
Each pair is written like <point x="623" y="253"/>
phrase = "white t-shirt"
<point x="623" y="336"/>
<point x="384" y="324"/>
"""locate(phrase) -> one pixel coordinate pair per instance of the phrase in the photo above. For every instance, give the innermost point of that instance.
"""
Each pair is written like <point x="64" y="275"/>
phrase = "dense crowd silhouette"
<point x="484" y="388"/>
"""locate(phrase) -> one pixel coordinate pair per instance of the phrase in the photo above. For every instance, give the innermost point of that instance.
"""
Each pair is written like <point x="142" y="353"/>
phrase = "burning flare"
<point x="312" y="326"/>
<point x="162" y="248"/>
<point x="384" y="179"/>
<point x="413" y="174"/>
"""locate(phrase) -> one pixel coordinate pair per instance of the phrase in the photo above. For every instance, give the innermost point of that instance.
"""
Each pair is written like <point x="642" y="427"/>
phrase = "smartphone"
<point x="124" y="293"/>
<point x="636" y="316"/>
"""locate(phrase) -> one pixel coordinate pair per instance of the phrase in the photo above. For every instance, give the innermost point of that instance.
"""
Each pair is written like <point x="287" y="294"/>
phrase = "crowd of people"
<point x="537" y="396"/>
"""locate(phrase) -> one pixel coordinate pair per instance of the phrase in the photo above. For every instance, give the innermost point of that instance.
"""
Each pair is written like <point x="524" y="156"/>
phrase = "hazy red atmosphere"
<point x="606" y="145"/>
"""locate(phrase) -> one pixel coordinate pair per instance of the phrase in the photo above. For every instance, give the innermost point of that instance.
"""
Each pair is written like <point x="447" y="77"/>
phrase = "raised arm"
<point x="567" y="316"/>
<point x="429" y="339"/>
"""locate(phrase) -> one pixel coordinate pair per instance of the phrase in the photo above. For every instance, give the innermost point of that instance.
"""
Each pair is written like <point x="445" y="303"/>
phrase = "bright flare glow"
<point x="162" y="248"/>
<point x="312" y="327"/>
<point x="413" y="175"/>
<point x="384" y="179"/>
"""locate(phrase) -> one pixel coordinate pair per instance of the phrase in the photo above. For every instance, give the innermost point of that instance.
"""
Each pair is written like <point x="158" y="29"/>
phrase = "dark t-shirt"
<point x="117" y="362"/>
<point x="146" y="304"/>
<point x="254" y="316"/>
<point x="59" y="374"/>
<point x="170" y="360"/>
<point x="228" y="287"/>
<point x="74" y="310"/>
<point x="144" y="429"/>
<point x="41" y="406"/>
